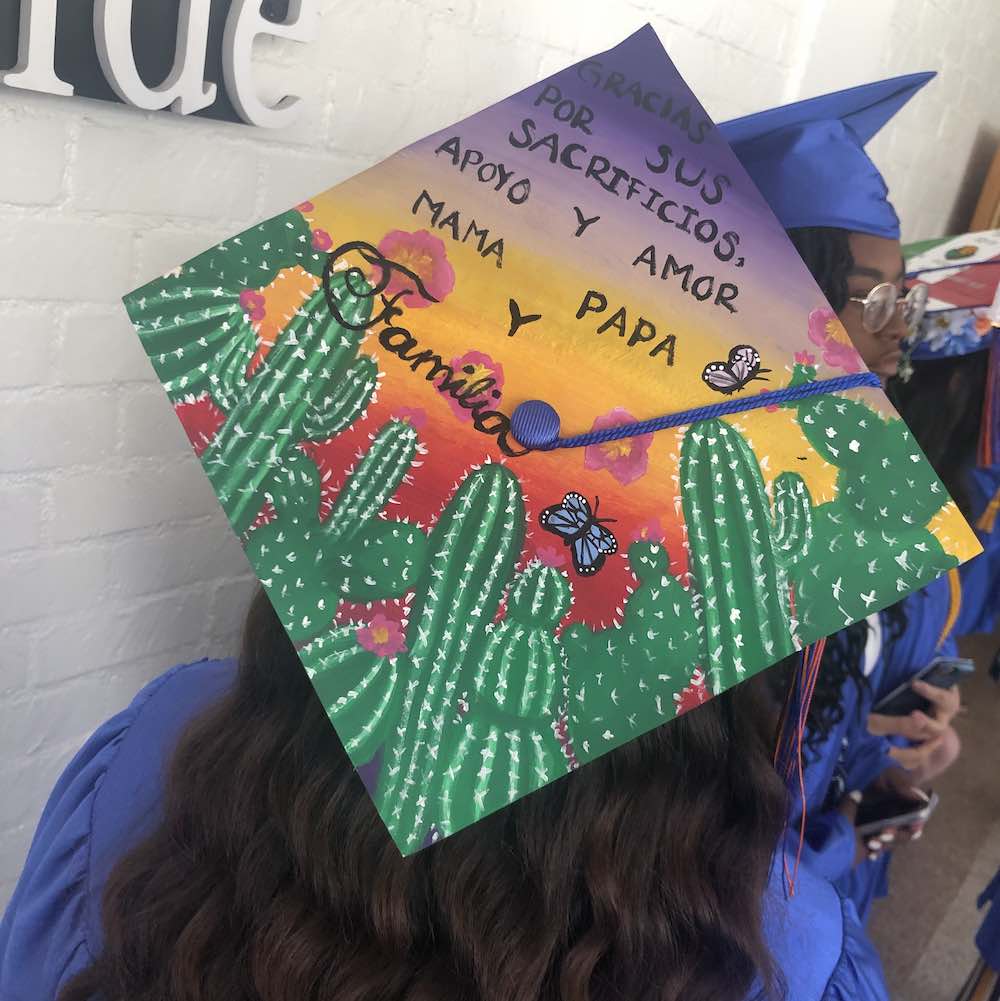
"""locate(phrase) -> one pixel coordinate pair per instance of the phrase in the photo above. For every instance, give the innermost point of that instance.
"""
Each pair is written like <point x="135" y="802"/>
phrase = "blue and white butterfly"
<point x="728" y="376"/>
<point x="580" y="529"/>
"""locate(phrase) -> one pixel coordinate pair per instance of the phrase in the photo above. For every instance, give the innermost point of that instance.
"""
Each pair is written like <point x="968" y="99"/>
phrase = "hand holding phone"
<point x="941" y="673"/>
<point x="878" y="812"/>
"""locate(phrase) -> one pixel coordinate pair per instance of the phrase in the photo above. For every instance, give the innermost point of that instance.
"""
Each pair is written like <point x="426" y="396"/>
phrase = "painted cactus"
<point x="193" y="325"/>
<point x="503" y="743"/>
<point x="275" y="413"/>
<point x="792" y="519"/>
<point x="621" y="680"/>
<point x="360" y="690"/>
<point x="472" y="551"/>
<point x="746" y="615"/>
<point x="881" y="546"/>
<point x="308" y="566"/>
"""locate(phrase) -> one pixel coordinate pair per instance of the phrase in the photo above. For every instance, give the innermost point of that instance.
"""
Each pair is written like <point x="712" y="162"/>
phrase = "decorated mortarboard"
<point x="538" y="434"/>
<point x="962" y="275"/>
<point x="808" y="158"/>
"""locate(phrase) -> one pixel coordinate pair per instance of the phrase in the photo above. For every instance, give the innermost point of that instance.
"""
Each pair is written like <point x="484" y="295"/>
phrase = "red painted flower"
<point x="412" y="415"/>
<point x="382" y="636"/>
<point x="826" y="331"/>
<point x="201" y="419"/>
<point x="476" y="368"/>
<point x="322" y="240"/>
<point x="425" y="255"/>
<point x="649" y="531"/>
<point x="693" y="695"/>
<point x="551" y="556"/>
<point x="804" y="358"/>
<point x="305" y="207"/>
<point x="253" y="304"/>
<point x="627" y="458"/>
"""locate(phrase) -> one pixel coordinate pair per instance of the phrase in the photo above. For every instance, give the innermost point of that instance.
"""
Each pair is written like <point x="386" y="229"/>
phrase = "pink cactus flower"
<point x="476" y="367"/>
<point x="551" y="556"/>
<point x="412" y="415"/>
<point x="825" y="331"/>
<point x="305" y="207"/>
<point x="626" y="458"/>
<point x="426" y="256"/>
<point x="382" y="636"/>
<point x="804" y="358"/>
<point x="253" y="304"/>
<point x="321" y="240"/>
<point x="649" y="531"/>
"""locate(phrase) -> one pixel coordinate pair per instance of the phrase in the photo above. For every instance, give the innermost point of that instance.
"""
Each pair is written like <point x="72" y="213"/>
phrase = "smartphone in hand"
<point x="878" y="812"/>
<point x="942" y="672"/>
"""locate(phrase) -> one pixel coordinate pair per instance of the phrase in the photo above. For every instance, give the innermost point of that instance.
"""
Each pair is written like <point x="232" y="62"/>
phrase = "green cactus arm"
<point x="489" y="764"/>
<point x="197" y="340"/>
<point x="382" y="560"/>
<point x="347" y="401"/>
<point x="267" y="422"/>
<point x="359" y="689"/>
<point x="369" y="485"/>
<point x="473" y="547"/>
<point x="792" y="518"/>
<point x="255" y="256"/>
<point x="728" y="519"/>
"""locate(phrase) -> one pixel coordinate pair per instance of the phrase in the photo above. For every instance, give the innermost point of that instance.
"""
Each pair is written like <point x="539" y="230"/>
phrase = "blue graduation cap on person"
<point x="809" y="161"/>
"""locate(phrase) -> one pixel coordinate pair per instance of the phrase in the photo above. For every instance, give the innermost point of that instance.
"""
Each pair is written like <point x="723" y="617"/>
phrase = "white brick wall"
<point x="116" y="561"/>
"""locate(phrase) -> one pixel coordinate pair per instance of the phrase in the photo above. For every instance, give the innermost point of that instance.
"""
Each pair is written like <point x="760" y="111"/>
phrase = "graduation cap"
<point x="808" y="158"/>
<point x="539" y="433"/>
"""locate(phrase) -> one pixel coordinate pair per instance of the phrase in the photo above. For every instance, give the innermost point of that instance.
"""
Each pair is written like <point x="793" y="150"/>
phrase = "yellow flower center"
<point x="381" y="635"/>
<point x="478" y="372"/>
<point x="418" y="261"/>
<point x="617" y="449"/>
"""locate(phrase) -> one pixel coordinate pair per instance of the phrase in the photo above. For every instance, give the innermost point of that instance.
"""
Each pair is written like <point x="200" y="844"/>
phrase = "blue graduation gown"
<point x="988" y="936"/>
<point x="929" y="613"/>
<point x="110" y="795"/>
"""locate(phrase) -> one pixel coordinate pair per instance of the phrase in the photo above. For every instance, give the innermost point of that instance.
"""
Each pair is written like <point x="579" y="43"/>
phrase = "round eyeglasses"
<point x="878" y="307"/>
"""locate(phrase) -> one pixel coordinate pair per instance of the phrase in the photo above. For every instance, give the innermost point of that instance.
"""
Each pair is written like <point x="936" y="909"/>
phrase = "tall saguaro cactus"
<point x="738" y="570"/>
<point x="472" y="550"/>
<point x="504" y="743"/>
<point x="276" y="412"/>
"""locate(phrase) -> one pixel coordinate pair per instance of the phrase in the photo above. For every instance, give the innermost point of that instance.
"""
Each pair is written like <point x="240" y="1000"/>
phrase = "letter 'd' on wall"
<point x="117" y="50"/>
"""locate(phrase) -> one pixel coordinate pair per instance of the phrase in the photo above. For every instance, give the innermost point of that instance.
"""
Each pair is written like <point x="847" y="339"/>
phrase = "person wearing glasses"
<point x="808" y="160"/>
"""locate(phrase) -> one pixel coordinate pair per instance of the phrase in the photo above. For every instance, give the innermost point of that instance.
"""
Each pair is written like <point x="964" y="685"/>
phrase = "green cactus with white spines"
<point x="275" y="411"/>
<point x="792" y="518"/>
<point x="191" y="323"/>
<point x="881" y="546"/>
<point x="360" y="690"/>
<point x="504" y="744"/>
<point x="746" y="615"/>
<point x="308" y="566"/>
<point x="621" y="680"/>
<point x="472" y="550"/>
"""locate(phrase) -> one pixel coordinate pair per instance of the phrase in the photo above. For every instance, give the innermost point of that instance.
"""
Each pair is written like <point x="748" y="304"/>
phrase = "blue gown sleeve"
<point x="858" y="976"/>
<point x="43" y="935"/>
<point x="988" y="936"/>
<point x="818" y="943"/>
<point x="104" y="800"/>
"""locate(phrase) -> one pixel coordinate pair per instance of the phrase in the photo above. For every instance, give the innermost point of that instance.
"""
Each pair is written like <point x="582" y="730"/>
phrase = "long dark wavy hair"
<point x="272" y="878"/>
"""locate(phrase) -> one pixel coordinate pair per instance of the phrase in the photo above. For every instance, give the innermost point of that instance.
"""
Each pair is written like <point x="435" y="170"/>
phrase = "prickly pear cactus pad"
<point x="479" y="614"/>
